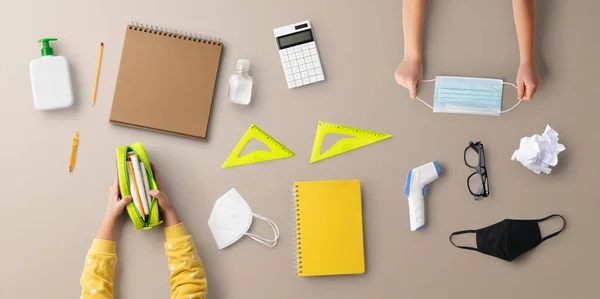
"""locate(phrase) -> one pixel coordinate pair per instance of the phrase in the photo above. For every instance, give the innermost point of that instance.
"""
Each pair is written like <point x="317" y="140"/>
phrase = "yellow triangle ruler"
<point x="359" y="139"/>
<point x="278" y="151"/>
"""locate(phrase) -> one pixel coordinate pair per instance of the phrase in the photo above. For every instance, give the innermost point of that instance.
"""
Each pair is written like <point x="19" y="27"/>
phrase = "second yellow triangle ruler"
<point x="359" y="139"/>
<point x="278" y="151"/>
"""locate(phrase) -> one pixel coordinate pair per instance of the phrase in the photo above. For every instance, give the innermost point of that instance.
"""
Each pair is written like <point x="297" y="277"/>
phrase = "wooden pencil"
<point x="137" y="192"/>
<point x="97" y="73"/>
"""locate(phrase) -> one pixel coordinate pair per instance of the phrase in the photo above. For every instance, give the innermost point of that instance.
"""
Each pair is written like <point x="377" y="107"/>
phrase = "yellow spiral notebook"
<point x="329" y="229"/>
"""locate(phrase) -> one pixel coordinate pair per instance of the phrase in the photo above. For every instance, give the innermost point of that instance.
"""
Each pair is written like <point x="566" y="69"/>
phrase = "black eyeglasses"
<point x="478" y="180"/>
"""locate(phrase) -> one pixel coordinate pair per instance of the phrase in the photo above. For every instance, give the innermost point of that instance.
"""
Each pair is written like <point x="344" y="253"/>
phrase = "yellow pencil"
<point x="137" y="192"/>
<point x="74" y="151"/>
<point x="97" y="73"/>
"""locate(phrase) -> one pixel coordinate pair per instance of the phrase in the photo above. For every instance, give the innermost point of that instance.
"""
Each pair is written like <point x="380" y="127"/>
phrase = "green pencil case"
<point x="152" y="219"/>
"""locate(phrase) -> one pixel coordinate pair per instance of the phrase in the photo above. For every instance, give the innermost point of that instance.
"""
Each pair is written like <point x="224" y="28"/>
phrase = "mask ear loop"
<point x="504" y="83"/>
<point x="268" y="242"/>
<point x="552" y="235"/>
<point x="426" y="81"/>
<point x="517" y="104"/>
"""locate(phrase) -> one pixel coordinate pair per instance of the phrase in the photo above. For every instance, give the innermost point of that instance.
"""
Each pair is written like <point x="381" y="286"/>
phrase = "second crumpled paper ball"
<point x="539" y="152"/>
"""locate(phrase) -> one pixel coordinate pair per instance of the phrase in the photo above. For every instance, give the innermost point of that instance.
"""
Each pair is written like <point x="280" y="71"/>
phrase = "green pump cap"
<point x="46" y="49"/>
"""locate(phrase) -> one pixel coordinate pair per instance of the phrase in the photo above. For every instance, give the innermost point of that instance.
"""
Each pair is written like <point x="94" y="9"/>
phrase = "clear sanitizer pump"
<point x="240" y="84"/>
<point x="50" y="79"/>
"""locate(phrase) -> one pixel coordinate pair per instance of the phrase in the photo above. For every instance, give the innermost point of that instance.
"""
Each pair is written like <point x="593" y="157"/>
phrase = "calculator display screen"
<point x="295" y="39"/>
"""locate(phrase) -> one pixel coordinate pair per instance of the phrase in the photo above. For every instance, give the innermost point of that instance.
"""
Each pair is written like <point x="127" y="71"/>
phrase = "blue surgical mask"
<point x="468" y="95"/>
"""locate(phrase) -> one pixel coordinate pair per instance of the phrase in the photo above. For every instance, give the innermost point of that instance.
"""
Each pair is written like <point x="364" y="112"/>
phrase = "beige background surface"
<point x="50" y="216"/>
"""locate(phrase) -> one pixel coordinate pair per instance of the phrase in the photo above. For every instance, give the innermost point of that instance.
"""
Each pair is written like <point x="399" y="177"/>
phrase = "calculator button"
<point x="289" y="78"/>
<point x="307" y="59"/>
<point x="320" y="77"/>
<point x="306" y="81"/>
<point x="312" y="79"/>
<point x="294" y="63"/>
<point x="286" y="65"/>
<point x="295" y="70"/>
<point x="297" y="76"/>
<point x="302" y="68"/>
<point x="283" y="52"/>
<point x="288" y="71"/>
<point x="314" y="58"/>
<point x="300" y="61"/>
<point x="313" y="51"/>
<point x="297" y="49"/>
<point x="299" y="55"/>
<point x="306" y="53"/>
<point x="304" y="47"/>
<point x="304" y="75"/>
<point x="293" y="56"/>
<point x="311" y="73"/>
<point x="317" y="63"/>
<point x="309" y="66"/>
<point x="299" y="83"/>
<point x="318" y="71"/>
<point x="312" y="45"/>
<point x="285" y="58"/>
<point x="290" y="51"/>
<point x="291" y="84"/>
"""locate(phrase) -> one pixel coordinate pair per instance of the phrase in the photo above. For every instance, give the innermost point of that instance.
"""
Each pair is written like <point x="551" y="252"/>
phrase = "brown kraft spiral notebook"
<point x="166" y="81"/>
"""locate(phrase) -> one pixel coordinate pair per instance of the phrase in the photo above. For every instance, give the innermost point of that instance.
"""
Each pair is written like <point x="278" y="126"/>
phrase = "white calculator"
<point x="299" y="54"/>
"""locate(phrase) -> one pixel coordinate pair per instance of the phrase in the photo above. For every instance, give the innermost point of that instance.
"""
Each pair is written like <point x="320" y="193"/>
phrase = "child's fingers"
<point x="159" y="195"/>
<point x="114" y="189"/>
<point x="156" y="174"/>
<point x="123" y="202"/>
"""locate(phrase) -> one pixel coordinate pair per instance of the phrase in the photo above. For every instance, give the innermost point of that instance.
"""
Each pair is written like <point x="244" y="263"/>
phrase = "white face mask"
<point x="466" y="95"/>
<point x="231" y="219"/>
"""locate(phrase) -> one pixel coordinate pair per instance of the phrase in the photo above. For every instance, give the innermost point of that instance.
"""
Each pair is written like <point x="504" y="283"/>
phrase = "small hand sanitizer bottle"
<point x="50" y="79"/>
<point x="240" y="84"/>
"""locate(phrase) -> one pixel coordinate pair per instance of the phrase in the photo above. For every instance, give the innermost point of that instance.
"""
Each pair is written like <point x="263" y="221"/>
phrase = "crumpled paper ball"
<point x="539" y="152"/>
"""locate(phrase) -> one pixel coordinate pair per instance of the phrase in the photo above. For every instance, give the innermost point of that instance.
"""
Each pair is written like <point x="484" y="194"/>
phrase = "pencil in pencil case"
<point x="138" y="220"/>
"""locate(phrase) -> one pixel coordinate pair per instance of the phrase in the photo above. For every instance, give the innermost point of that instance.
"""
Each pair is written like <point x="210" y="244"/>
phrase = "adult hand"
<point x="528" y="81"/>
<point x="409" y="74"/>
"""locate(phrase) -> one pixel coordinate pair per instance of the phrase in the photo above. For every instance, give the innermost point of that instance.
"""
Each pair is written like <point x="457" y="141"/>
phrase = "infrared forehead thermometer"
<point x="417" y="181"/>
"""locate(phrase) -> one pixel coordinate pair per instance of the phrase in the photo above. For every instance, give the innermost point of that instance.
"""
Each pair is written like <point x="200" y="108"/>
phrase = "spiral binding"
<point x="200" y="38"/>
<point x="297" y="236"/>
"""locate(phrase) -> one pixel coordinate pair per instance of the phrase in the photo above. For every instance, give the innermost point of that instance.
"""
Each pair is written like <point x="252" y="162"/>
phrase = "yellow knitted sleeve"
<point x="188" y="278"/>
<point x="99" y="270"/>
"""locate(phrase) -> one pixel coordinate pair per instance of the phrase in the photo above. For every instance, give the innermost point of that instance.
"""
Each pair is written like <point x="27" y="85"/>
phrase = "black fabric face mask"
<point x="509" y="238"/>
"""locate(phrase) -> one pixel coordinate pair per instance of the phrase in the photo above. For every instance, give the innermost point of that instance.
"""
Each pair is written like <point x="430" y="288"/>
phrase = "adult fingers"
<point x="399" y="78"/>
<point x="520" y="90"/>
<point x="530" y="90"/>
<point x="412" y="88"/>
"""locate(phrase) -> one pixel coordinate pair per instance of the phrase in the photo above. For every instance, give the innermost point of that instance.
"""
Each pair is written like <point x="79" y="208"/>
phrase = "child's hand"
<point x="409" y="74"/>
<point x="115" y="206"/>
<point x="168" y="211"/>
<point x="528" y="81"/>
<point x="164" y="204"/>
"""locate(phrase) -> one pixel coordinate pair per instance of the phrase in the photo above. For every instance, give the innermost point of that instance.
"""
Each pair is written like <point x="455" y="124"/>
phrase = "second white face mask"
<point x="231" y="219"/>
